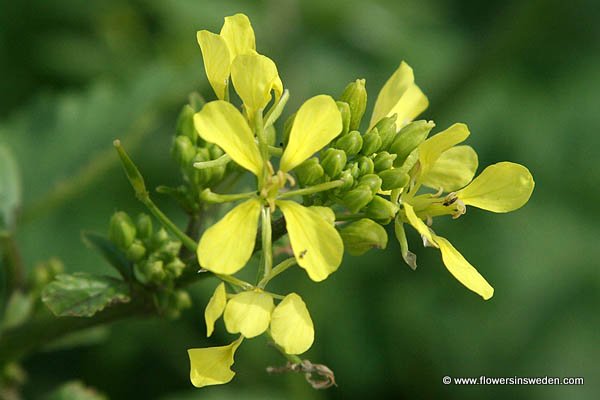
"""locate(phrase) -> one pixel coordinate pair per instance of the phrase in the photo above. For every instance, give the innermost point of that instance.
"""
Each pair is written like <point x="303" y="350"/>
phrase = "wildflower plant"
<point x="321" y="183"/>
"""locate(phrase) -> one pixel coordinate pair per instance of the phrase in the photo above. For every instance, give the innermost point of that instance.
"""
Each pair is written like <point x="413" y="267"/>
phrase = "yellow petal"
<point x="214" y="308"/>
<point x="399" y="96"/>
<point x="221" y="123"/>
<point x="317" y="246"/>
<point x="291" y="325"/>
<point x="500" y="188"/>
<point x="216" y="61"/>
<point x="239" y="35"/>
<point x="317" y="122"/>
<point x="227" y="246"/>
<point x="462" y="270"/>
<point x="453" y="170"/>
<point x="248" y="313"/>
<point x="431" y="149"/>
<point x="211" y="365"/>
<point x="254" y="76"/>
<point x="418" y="224"/>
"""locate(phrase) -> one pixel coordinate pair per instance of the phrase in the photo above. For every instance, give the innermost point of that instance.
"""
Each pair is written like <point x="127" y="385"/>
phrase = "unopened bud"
<point x="363" y="235"/>
<point x="409" y="137"/>
<point x="185" y="124"/>
<point x="136" y="251"/>
<point x="371" y="142"/>
<point x="365" y="166"/>
<point x="383" y="161"/>
<point x="175" y="267"/>
<point x="345" y="111"/>
<point x="350" y="142"/>
<point x="183" y="151"/>
<point x="387" y="130"/>
<point x="122" y="230"/>
<point x="309" y="172"/>
<point x="181" y="299"/>
<point x="372" y="181"/>
<point x="393" y="179"/>
<point x="143" y="224"/>
<point x="333" y="162"/>
<point x="357" y="198"/>
<point x="355" y="94"/>
<point x="381" y="209"/>
<point x="348" y="180"/>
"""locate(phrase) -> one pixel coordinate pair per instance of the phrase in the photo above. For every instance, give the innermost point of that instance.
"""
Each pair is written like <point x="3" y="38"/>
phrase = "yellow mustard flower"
<point x="401" y="96"/>
<point x="227" y="246"/>
<point x="448" y="168"/>
<point x="233" y="53"/>
<point x="211" y="365"/>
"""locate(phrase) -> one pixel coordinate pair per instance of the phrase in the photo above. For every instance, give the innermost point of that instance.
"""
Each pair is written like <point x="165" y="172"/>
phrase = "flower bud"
<point x="143" y="224"/>
<point x="181" y="299"/>
<point x="202" y="176"/>
<point x="387" y="130"/>
<point x="122" y="230"/>
<point x="309" y="172"/>
<point x="345" y="111"/>
<point x="383" y="161"/>
<point x="348" y="179"/>
<point x="357" y="198"/>
<point x="350" y="142"/>
<point x="183" y="151"/>
<point x="55" y="266"/>
<point x="393" y="179"/>
<point x="185" y="124"/>
<point x="381" y="209"/>
<point x="372" y="181"/>
<point x="409" y="137"/>
<point x="355" y="94"/>
<point x="333" y="162"/>
<point x="363" y="235"/>
<point x="175" y="267"/>
<point x="371" y="142"/>
<point x="365" y="166"/>
<point x="150" y="271"/>
<point x="136" y="251"/>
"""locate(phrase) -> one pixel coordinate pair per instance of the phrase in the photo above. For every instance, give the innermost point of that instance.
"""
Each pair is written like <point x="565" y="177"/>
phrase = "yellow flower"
<point x="444" y="166"/>
<point x="227" y="246"/>
<point x="233" y="53"/>
<point x="211" y="366"/>
<point x="401" y="96"/>
<point x="250" y="313"/>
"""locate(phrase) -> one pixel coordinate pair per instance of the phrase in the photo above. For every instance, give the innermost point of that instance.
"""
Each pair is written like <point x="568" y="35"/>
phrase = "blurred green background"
<point x="525" y="77"/>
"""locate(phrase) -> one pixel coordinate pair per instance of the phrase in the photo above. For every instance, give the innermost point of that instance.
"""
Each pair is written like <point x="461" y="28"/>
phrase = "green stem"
<point x="223" y="160"/>
<point x="312" y="189"/>
<point x="279" y="268"/>
<point x="262" y="145"/>
<point x="235" y="281"/>
<point x="275" y="151"/>
<point x="14" y="263"/>
<point x="275" y="111"/>
<point x="209" y="196"/>
<point x="139" y="186"/>
<point x="266" y="237"/>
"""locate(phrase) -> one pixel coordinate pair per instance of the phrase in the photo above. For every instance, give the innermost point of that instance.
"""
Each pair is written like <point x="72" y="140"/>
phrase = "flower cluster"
<point x="334" y="186"/>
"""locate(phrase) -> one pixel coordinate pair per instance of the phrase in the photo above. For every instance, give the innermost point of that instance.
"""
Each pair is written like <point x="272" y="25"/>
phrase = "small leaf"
<point x="83" y="295"/>
<point x="10" y="188"/>
<point x="110" y="252"/>
<point x="75" y="390"/>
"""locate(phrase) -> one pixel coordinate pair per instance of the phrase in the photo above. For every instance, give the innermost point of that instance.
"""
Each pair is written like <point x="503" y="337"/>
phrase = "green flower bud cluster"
<point x="43" y="274"/>
<point x="188" y="148"/>
<point x="379" y="160"/>
<point x="154" y="254"/>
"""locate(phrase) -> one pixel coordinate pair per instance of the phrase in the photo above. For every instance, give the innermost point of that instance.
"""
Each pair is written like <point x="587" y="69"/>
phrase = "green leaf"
<point x="110" y="252"/>
<point x="75" y="390"/>
<point x="10" y="188"/>
<point x="83" y="295"/>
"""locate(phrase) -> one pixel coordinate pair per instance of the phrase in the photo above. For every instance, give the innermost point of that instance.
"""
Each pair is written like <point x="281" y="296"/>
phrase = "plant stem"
<point x="266" y="236"/>
<point x="279" y="268"/>
<point x="223" y="160"/>
<point x="187" y="241"/>
<point x="209" y="196"/>
<point x="12" y="257"/>
<point x="312" y="189"/>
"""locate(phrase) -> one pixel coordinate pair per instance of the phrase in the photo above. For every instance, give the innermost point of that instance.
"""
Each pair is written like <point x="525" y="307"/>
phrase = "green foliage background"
<point x="525" y="77"/>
